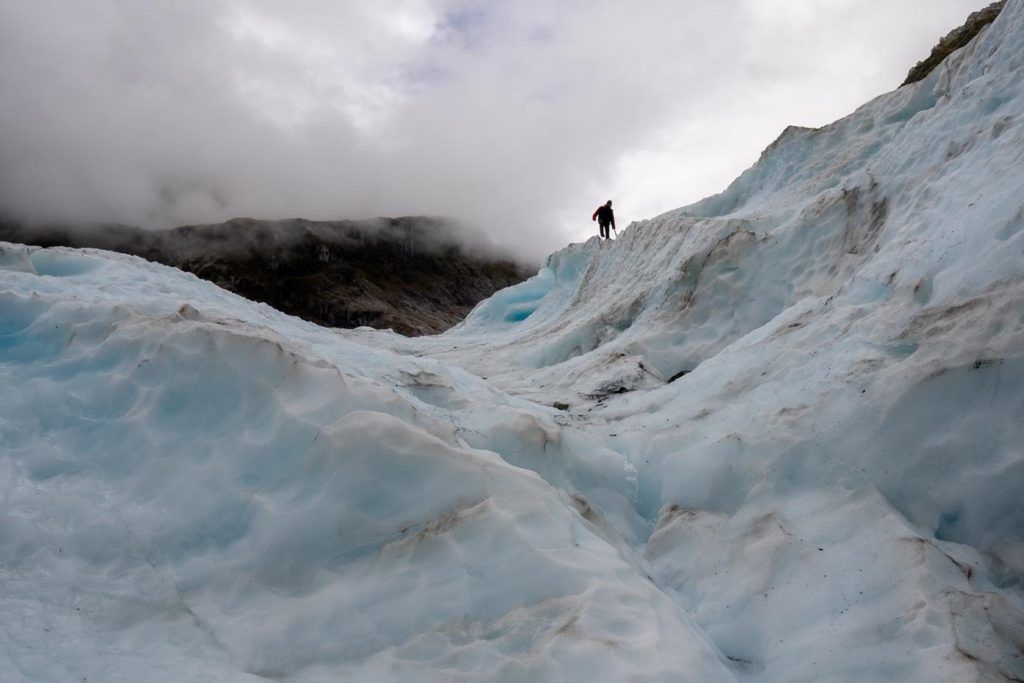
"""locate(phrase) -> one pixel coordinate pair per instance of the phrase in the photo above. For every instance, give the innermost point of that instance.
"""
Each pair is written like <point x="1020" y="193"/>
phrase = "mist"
<point x="517" y="118"/>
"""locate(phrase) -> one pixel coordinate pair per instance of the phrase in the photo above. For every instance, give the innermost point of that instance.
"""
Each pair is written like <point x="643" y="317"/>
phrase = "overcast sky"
<point x="519" y="117"/>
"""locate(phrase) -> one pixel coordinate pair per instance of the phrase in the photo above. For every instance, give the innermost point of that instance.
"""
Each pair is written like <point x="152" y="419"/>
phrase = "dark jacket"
<point x="604" y="215"/>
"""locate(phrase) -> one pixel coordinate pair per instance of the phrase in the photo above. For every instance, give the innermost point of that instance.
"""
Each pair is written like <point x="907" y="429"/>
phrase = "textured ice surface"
<point x="199" y="487"/>
<point x="794" y="446"/>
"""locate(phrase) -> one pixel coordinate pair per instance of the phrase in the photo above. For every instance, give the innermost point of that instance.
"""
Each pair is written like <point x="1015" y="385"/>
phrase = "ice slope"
<point x="835" y="477"/>
<point x="842" y="210"/>
<point x="197" y="487"/>
<point x="794" y="449"/>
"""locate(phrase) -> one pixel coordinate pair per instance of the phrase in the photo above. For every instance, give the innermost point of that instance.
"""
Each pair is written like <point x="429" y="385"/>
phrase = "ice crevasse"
<point x="793" y="448"/>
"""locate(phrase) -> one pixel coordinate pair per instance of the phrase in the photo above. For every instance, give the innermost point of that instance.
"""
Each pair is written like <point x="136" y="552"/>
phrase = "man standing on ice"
<point x="605" y="217"/>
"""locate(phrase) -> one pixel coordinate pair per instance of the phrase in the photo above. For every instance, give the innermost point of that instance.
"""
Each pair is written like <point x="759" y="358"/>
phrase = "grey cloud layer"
<point x="517" y="117"/>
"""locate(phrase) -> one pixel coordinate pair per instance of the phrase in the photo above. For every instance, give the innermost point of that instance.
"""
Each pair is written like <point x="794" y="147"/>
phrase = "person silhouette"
<point x="605" y="217"/>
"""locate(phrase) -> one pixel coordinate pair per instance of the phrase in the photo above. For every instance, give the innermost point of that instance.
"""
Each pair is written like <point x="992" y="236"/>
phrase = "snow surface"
<point x="794" y="446"/>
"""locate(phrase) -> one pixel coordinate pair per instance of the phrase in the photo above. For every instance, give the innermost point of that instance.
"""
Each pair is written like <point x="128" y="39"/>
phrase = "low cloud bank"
<point x="516" y="118"/>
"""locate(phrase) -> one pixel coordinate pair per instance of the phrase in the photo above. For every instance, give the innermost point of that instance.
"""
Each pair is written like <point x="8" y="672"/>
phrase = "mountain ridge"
<point x="413" y="274"/>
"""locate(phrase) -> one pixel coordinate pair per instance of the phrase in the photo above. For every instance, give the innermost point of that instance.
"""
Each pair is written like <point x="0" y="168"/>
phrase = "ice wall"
<point x="916" y="187"/>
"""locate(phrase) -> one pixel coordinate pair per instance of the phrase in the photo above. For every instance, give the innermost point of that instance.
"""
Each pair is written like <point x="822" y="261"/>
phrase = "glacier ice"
<point x="793" y="448"/>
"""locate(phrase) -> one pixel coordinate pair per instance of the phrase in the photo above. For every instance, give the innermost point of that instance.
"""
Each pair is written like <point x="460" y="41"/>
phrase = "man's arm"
<point x="613" y="218"/>
<point x="594" y="217"/>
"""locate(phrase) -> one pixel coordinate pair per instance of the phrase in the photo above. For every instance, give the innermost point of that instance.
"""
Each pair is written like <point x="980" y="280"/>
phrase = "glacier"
<point x="788" y="442"/>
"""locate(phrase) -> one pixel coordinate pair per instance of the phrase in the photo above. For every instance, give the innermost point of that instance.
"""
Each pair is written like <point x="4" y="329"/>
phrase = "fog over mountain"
<point x="517" y="118"/>
<point x="413" y="274"/>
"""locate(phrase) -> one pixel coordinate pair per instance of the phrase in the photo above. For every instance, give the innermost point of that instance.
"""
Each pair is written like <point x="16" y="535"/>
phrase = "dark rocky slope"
<point x="955" y="40"/>
<point x="410" y="274"/>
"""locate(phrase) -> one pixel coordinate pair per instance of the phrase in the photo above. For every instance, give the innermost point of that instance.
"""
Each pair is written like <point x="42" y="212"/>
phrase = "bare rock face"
<point x="955" y="40"/>
<point x="414" y="275"/>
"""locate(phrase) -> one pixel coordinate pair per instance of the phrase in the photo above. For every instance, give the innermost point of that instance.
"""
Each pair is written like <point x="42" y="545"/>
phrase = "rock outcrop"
<point x="955" y="40"/>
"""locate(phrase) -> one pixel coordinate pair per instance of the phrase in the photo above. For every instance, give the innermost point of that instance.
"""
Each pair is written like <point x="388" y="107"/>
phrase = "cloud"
<point x="517" y="117"/>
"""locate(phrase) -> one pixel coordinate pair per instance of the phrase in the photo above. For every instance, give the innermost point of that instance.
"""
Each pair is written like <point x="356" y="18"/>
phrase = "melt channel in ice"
<point x="794" y="447"/>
